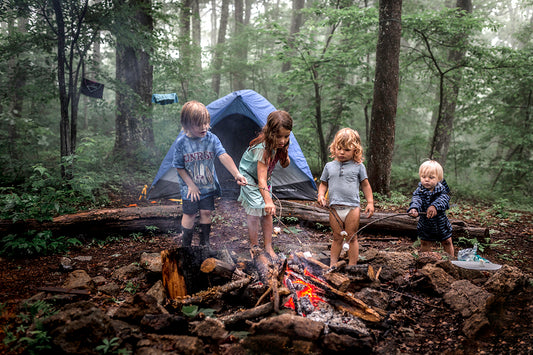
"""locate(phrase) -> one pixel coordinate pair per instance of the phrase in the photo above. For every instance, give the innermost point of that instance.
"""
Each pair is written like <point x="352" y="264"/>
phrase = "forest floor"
<point x="435" y="332"/>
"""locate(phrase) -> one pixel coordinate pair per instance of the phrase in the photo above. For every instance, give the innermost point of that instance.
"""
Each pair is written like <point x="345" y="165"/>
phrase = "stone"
<point x="79" y="279"/>
<point x="467" y="298"/>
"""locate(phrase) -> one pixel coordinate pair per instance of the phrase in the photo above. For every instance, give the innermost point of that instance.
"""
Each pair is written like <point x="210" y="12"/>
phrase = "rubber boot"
<point x="205" y="230"/>
<point x="186" y="237"/>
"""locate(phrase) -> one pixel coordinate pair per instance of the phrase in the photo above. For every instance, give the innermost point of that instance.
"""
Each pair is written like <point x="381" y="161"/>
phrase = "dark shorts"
<point x="428" y="238"/>
<point x="207" y="203"/>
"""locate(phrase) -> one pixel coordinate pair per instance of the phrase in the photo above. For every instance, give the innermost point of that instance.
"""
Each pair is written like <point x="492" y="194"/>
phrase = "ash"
<point x="338" y="322"/>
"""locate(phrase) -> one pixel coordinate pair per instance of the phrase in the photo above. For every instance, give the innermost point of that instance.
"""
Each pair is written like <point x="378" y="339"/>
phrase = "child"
<point x="342" y="177"/>
<point x="194" y="158"/>
<point x="432" y="197"/>
<point x="257" y="163"/>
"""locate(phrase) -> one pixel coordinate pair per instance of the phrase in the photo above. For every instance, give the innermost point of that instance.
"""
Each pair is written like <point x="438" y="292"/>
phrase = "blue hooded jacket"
<point x="439" y="227"/>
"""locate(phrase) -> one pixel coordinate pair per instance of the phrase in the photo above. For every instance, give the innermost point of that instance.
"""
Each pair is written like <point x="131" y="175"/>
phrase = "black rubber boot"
<point x="186" y="237"/>
<point x="205" y="230"/>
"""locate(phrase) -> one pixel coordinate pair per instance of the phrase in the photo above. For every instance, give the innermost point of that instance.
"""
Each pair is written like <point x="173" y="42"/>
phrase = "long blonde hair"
<point x="347" y="138"/>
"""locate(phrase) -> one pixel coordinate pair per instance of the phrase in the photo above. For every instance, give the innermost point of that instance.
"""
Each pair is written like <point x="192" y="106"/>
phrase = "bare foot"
<point x="272" y="253"/>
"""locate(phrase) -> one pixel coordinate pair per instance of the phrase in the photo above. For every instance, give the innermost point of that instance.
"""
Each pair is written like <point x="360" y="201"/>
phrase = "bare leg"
<point x="253" y="229"/>
<point x="205" y="216"/>
<point x="266" y="224"/>
<point x="351" y="226"/>
<point x="187" y="220"/>
<point x="448" y="246"/>
<point x="336" y="244"/>
<point x="425" y="245"/>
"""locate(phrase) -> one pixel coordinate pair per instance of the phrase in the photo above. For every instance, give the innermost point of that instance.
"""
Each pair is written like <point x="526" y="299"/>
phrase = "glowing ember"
<point x="302" y="289"/>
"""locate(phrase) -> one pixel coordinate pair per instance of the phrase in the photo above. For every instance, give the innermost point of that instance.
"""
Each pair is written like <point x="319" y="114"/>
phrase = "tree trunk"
<point x="196" y="55"/>
<point x="133" y="122"/>
<point x="185" y="47"/>
<point x="219" y="49"/>
<point x="296" y="24"/>
<point x="383" y="117"/>
<point x="239" y="48"/>
<point x="450" y="91"/>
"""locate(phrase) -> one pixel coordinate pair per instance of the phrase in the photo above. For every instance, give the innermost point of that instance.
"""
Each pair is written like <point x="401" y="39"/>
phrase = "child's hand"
<point x="413" y="212"/>
<point x="194" y="193"/>
<point x="241" y="180"/>
<point x="431" y="212"/>
<point x="369" y="210"/>
<point x="270" y="208"/>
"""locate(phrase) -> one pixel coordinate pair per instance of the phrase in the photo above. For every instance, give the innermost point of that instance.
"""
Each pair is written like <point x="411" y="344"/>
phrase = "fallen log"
<point x="384" y="222"/>
<point x="167" y="218"/>
<point x="112" y="221"/>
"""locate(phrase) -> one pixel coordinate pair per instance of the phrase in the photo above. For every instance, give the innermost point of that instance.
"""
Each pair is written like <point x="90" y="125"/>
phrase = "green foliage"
<point x="131" y="288"/>
<point x="193" y="310"/>
<point x="32" y="339"/>
<point x="35" y="243"/>
<point x="108" y="345"/>
<point x="482" y="244"/>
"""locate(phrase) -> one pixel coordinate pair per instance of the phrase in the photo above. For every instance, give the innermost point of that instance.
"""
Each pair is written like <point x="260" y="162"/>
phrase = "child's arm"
<point x="415" y="205"/>
<point x="441" y="203"/>
<point x="322" y="189"/>
<point x="229" y="164"/>
<point x="193" y="193"/>
<point x="367" y="191"/>
<point x="262" y="170"/>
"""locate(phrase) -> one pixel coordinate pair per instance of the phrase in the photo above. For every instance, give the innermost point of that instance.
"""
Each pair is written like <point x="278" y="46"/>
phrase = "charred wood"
<point x="252" y="313"/>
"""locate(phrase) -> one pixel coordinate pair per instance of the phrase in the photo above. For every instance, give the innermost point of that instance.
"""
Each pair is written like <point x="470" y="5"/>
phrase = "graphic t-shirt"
<point x="197" y="156"/>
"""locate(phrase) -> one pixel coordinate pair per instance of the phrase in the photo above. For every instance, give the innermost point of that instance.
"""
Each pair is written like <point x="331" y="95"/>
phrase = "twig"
<point x="411" y="297"/>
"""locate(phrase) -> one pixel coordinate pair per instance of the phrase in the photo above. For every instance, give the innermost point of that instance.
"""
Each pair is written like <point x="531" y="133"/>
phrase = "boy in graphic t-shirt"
<point x="194" y="158"/>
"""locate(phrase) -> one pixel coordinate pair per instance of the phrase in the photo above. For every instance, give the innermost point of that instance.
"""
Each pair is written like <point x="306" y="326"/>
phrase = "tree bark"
<point x="219" y="49"/>
<point x="185" y="47"/>
<point x="383" y="117"/>
<point x="240" y="47"/>
<point x="450" y="91"/>
<point x="133" y="122"/>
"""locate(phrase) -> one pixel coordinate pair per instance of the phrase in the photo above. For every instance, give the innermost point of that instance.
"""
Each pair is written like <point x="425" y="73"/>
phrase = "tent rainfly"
<point x="236" y="119"/>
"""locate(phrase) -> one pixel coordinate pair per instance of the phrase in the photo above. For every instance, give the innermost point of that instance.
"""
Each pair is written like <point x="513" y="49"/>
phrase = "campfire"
<point x="247" y="291"/>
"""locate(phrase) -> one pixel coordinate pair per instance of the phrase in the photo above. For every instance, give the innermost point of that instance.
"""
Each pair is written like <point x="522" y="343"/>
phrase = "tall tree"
<point x="386" y="83"/>
<point x="185" y="46"/>
<point x="239" y="47"/>
<point x="296" y="24"/>
<point x="74" y="37"/>
<point x="219" y="48"/>
<point x="134" y="74"/>
<point x="449" y="93"/>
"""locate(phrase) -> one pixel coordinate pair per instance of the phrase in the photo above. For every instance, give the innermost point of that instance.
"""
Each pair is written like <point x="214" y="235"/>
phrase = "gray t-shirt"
<point x="343" y="181"/>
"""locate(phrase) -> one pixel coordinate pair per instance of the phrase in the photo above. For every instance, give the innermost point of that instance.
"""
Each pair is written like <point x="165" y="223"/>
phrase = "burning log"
<point x="356" y="307"/>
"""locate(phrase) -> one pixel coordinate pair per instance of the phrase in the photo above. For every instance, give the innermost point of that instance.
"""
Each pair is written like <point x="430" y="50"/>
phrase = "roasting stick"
<point x="334" y="213"/>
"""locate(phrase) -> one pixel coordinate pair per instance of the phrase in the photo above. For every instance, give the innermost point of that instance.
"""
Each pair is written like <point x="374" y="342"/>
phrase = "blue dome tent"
<point x="236" y="119"/>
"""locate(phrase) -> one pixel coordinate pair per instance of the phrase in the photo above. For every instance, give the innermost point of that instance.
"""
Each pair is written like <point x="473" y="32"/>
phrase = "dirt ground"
<point x="433" y="330"/>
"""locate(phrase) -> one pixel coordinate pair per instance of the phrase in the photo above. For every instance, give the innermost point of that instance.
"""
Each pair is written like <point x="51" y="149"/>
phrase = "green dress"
<point x="250" y="196"/>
